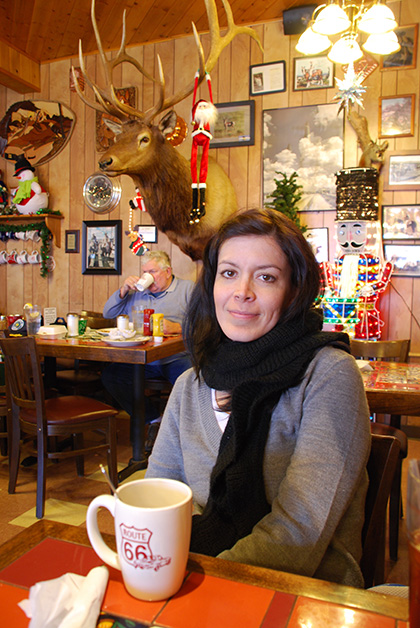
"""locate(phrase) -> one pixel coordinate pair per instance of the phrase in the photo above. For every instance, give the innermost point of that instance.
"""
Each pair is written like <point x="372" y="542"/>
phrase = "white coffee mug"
<point x="152" y="519"/>
<point x="144" y="282"/>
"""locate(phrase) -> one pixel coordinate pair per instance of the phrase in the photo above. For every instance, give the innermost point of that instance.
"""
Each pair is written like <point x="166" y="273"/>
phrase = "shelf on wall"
<point x="52" y="222"/>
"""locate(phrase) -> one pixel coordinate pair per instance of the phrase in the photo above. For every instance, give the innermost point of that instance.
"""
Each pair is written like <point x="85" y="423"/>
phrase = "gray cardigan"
<point x="314" y="468"/>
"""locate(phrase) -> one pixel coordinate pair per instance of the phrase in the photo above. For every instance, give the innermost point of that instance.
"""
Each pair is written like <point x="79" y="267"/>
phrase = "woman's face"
<point x="252" y="286"/>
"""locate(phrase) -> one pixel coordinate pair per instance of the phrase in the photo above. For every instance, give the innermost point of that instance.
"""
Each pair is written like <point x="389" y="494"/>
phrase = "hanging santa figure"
<point x="358" y="275"/>
<point x="204" y="113"/>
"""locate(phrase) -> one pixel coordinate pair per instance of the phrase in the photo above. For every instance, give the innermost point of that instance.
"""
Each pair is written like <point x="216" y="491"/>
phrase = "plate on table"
<point x="130" y="342"/>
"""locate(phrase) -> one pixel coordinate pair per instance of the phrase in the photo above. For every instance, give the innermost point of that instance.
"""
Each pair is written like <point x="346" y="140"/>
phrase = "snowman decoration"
<point x="29" y="197"/>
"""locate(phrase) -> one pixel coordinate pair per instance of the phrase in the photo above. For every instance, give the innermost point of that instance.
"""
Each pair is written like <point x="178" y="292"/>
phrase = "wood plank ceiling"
<point x="47" y="30"/>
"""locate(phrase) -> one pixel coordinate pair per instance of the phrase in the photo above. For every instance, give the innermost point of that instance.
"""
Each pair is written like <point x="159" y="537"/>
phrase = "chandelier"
<point x="348" y="19"/>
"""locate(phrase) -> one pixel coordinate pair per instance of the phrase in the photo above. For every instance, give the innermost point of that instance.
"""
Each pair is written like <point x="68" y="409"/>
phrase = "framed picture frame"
<point x="318" y="239"/>
<point x="235" y="124"/>
<point x="407" y="55"/>
<point x="405" y="257"/>
<point x="312" y="73"/>
<point x="267" y="78"/>
<point x="72" y="239"/>
<point x="101" y="249"/>
<point x="396" y="116"/>
<point x="307" y="140"/>
<point x="149" y="233"/>
<point x="402" y="170"/>
<point x="400" y="222"/>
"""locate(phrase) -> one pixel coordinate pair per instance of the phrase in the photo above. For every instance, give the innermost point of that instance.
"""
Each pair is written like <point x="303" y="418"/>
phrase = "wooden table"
<point x="393" y="388"/>
<point x="215" y="592"/>
<point x="140" y="355"/>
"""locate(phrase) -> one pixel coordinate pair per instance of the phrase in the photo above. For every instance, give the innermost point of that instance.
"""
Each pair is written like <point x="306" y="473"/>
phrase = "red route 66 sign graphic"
<point x="136" y="548"/>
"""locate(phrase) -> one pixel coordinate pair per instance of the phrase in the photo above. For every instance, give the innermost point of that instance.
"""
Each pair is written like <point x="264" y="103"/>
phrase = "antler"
<point x="107" y="99"/>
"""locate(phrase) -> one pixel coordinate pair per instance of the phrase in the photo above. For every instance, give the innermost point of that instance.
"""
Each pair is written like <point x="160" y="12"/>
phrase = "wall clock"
<point x="101" y="194"/>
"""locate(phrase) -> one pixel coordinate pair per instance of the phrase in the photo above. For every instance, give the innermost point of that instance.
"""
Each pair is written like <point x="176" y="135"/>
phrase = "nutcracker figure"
<point x="358" y="275"/>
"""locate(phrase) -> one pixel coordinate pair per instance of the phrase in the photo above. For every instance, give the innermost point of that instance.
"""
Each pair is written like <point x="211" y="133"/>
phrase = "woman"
<point x="271" y="427"/>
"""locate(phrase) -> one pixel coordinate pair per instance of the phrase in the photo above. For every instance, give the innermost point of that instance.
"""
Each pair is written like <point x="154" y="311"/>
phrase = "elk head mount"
<point x="141" y="150"/>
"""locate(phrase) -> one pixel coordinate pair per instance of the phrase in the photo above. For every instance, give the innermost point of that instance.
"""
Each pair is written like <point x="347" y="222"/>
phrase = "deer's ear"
<point x="167" y="123"/>
<point x="113" y="125"/>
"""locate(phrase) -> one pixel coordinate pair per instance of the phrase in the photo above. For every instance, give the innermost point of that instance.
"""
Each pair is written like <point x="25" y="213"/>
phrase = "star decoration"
<point x="350" y="89"/>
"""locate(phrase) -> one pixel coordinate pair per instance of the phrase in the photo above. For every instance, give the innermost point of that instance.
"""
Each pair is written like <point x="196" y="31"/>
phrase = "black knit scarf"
<point x="257" y="373"/>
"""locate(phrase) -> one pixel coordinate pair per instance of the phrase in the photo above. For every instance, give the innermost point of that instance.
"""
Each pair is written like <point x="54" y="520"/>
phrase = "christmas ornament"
<point x="350" y="89"/>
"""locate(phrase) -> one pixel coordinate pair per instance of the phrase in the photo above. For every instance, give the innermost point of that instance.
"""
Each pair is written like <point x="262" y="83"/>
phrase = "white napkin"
<point x="121" y="334"/>
<point x="71" y="601"/>
<point x="364" y="365"/>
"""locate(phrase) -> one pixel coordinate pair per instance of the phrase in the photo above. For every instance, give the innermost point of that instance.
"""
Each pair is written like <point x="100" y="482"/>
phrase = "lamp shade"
<point x="331" y="20"/>
<point x="312" y="43"/>
<point x="378" y="19"/>
<point x="383" y="44"/>
<point x="345" y="50"/>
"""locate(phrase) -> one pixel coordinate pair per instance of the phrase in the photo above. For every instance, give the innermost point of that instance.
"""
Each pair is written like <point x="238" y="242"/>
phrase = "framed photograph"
<point x="72" y="240"/>
<point x="235" y="124"/>
<point x="407" y="55"/>
<point x="402" y="170"/>
<point x="318" y="239"/>
<point x="396" y="116"/>
<point x="406" y="259"/>
<point x="267" y="78"/>
<point x="148" y="233"/>
<point x="400" y="222"/>
<point x="105" y="135"/>
<point x="309" y="141"/>
<point x="312" y="73"/>
<point x="101" y="253"/>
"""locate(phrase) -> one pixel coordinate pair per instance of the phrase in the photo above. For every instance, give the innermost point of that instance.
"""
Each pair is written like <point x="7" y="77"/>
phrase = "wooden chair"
<point x="3" y="421"/>
<point x="381" y="467"/>
<point x="70" y="416"/>
<point x="389" y="350"/>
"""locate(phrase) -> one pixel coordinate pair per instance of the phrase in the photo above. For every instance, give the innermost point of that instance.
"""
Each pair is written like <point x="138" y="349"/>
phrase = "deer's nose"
<point x="104" y="164"/>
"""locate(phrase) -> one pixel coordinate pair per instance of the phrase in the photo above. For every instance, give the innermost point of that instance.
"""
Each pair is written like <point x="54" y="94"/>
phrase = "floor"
<point x="69" y="496"/>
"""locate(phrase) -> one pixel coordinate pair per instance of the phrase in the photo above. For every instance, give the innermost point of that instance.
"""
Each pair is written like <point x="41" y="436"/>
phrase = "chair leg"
<point x="3" y="439"/>
<point x="395" y="513"/>
<point x="41" y="474"/>
<point x="112" y="450"/>
<point x="14" y="454"/>
<point x="78" y="443"/>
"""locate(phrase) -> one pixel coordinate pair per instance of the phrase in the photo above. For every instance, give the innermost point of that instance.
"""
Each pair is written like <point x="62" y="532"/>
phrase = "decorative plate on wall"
<point x="37" y="129"/>
<point x="101" y="194"/>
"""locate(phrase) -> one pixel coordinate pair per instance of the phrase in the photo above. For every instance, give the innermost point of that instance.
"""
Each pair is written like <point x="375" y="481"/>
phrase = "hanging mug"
<point x="3" y="257"/>
<point x="22" y="257"/>
<point x="11" y="258"/>
<point x="34" y="257"/>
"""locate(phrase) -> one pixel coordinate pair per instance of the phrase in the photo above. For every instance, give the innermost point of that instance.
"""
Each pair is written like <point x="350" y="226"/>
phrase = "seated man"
<point x="167" y="295"/>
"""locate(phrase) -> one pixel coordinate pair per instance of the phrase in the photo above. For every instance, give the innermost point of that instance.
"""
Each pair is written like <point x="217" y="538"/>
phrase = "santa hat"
<point x="22" y="164"/>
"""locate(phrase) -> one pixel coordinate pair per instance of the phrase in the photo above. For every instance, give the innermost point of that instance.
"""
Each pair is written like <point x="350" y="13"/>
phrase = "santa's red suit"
<point x="203" y="114"/>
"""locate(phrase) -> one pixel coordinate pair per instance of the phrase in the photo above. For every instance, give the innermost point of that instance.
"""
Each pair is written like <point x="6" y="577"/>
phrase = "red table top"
<point x="205" y="600"/>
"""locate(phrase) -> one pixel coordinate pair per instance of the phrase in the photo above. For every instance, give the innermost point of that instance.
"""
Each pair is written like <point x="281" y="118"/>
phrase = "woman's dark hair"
<point x="201" y="329"/>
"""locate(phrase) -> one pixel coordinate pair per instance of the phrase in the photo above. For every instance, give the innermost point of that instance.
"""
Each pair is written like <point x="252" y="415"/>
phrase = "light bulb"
<point x="345" y="50"/>
<point x="378" y="19"/>
<point x="332" y="20"/>
<point x="382" y="44"/>
<point x="312" y="43"/>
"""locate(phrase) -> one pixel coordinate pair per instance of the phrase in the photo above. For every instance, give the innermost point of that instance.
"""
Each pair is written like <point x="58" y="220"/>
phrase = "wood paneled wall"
<point x="67" y="289"/>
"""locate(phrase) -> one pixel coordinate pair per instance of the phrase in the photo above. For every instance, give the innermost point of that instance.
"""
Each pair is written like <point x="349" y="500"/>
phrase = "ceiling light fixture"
<point x="348" y="18"/>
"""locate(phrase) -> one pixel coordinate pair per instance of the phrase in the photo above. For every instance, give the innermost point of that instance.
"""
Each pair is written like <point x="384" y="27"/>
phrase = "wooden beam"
<point x="18" y="71"/>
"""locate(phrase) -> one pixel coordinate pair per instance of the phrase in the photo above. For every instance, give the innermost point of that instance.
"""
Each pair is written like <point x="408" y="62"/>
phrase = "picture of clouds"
<point x="309" y="141"/>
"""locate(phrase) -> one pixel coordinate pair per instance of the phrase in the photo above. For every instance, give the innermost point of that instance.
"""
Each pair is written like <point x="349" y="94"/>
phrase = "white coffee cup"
<point x="152" y="519"/>
<point x="144" y="282"/>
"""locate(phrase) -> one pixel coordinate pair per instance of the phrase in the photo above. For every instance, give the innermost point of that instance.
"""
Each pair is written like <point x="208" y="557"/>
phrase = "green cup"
<point x="82" y="326"/>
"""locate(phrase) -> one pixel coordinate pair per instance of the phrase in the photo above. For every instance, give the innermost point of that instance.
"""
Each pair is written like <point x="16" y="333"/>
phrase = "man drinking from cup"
<point x="159" y="290"/>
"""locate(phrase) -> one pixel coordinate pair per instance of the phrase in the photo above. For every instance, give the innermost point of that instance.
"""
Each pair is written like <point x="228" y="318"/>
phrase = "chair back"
<point x="396" y="350"/>
<point x="381" y="467"/>
<point x="24" y="377"/>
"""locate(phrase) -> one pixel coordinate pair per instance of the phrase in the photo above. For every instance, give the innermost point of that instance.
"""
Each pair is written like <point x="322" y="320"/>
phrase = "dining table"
<point x="98" y="349"/>
<point x="392" y="388"/>
<point x="215" y="592"/>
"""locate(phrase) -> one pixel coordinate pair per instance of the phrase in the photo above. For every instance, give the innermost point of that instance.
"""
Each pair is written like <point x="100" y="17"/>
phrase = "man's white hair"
<point x="161" y="257"/>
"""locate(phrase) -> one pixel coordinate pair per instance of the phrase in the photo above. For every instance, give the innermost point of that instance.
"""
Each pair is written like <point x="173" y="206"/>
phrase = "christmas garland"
<point x="44" y="232"/>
